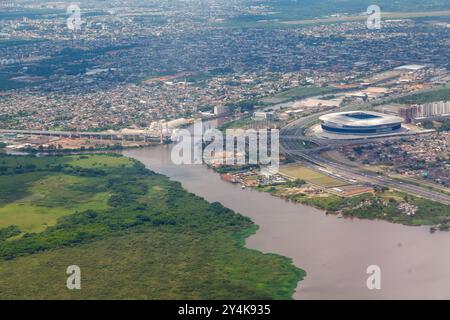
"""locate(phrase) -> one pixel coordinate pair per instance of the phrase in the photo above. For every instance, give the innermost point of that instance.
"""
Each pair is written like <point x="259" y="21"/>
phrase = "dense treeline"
<point x="9" y="232"/>
<point x="188" y="243"/>
<point x="442" y="94"/>
<point x="130" y="208"/>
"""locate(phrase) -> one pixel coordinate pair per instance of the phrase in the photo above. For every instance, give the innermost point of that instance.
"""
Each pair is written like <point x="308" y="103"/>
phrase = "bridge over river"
<point x="112" y="136"/>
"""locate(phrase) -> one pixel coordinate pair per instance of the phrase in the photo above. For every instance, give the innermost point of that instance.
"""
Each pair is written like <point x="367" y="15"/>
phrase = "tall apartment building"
<point x="424" y="111"/>
<point x="433" y="109"/>
<point x="221" y="110"/>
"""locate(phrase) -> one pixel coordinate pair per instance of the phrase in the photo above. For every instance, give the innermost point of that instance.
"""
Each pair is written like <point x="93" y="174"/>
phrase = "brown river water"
<point x="335" y="252"/>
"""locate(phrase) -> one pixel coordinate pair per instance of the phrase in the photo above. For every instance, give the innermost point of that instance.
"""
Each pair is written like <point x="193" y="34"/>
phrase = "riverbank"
<point x="134" y="233"/>
<point x="301" y="184"/>
<point x="334" y="251"/>
<point x="391" y="206"/>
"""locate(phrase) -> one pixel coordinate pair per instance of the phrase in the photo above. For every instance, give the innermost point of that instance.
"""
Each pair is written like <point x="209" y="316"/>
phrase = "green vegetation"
<point x="245" y="105"/>
<point x="236" y="124"/>
<point x="31" y="13"/>
<point x="52" y="197"/>
<point x="298" y="94"/>
<point x="134" y="234"/>
<point x="311" y="176"/>
<point x="441" y="94"/>
<point x="70" y="61"/>
<point x="445" y="126"/>
<point x="295" y="183"/>
<point x="234" y="169"/>
<point x="9" y="232"/>
<point x="245" y="123"/>
<point x="440" y="125"/>
<point x="422" y="182"/>
<point x="288" y="10"/>
<point x="382" y="205"/>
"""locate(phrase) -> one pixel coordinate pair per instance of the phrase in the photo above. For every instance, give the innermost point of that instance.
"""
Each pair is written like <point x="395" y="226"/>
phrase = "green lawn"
<point x="311" y="176"/>
<point x="99" y="161"/>
<point x="298" y="94"/>
<point x="34" y="201"/>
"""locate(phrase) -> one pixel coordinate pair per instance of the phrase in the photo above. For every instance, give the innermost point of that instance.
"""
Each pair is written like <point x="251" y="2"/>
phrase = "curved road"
<point x="293" y="133"/>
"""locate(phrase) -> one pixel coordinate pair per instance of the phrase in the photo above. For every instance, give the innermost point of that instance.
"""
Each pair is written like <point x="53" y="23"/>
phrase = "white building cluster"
<point x="433" y="109"/>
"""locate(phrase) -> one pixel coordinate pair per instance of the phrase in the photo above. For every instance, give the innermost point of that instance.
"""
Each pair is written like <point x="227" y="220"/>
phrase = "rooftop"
<point x="361" y="118"/>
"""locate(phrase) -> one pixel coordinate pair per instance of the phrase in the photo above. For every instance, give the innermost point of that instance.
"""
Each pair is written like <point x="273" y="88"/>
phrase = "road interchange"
<point x="293" y="134"/>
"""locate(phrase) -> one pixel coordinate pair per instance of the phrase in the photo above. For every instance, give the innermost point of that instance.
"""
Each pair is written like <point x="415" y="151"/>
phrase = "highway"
<point x="293" y="133"/>
<point x="114" y="136"/>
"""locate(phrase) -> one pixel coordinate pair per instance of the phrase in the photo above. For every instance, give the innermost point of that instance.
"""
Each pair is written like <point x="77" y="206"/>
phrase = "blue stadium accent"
<point x="355" y="130"/>
<point x="362" y="116"/>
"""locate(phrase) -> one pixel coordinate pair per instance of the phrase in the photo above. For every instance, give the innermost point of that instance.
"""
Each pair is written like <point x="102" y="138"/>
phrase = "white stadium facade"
<point x="360" y="122"/>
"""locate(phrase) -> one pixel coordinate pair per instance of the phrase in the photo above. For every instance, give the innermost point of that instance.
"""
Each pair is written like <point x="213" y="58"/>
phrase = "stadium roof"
<point x="360" y="118"/>
<point x="411" y="67"/>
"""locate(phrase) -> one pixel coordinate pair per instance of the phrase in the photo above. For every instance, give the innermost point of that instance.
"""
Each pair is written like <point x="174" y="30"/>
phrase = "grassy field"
<point x="34" y="201"/>
<point x="312" y="12"/>
<point x="385" y="15"/>
<point x="381" y="205"/>
<point x="439" y="94"/>
<point x="297" y="94"/>
<point x="99" y="162"/>
<point x="311" y="176"/>
<point x="51" y="198"/>
<point x="245" y="124"/>
<point x="133" y="233"/>
<point x="237" y="124"/>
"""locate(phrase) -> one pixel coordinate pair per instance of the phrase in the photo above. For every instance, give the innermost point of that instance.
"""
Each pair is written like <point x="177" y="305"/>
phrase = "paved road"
<point x="93" y="135"/>
<point x="293" y="133"/>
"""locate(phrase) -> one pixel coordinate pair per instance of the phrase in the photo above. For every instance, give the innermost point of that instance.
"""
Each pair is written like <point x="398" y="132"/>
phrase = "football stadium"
<point x="360" y="122"/>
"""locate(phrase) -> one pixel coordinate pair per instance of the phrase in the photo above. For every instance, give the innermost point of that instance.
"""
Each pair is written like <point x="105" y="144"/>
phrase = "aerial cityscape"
<point x="224" y="150"/>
